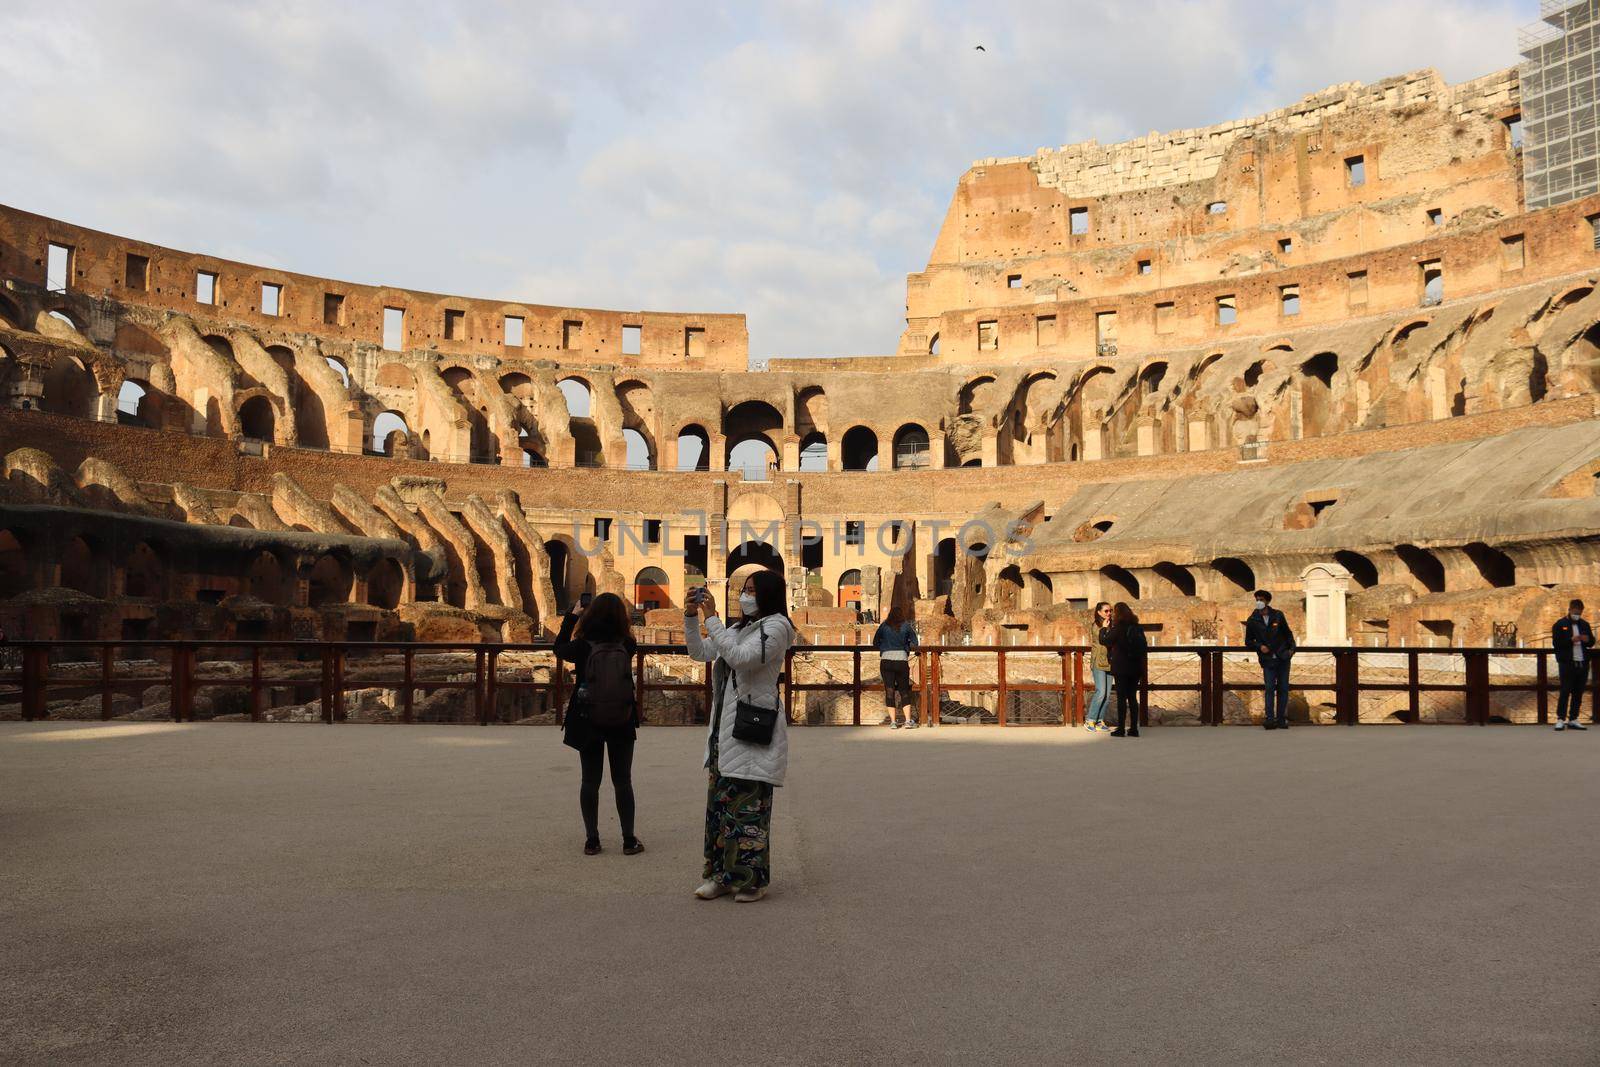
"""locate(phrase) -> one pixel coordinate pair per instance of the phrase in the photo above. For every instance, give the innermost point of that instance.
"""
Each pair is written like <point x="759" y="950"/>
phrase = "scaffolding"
<point x="1560" y="103"/>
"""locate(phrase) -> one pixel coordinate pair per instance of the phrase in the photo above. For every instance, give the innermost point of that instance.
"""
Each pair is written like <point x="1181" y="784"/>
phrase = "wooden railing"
<point x="1007" y="685"/>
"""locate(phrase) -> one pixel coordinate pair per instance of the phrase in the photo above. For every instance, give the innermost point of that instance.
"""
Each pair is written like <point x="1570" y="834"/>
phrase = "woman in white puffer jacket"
<point x="748" y="659"/>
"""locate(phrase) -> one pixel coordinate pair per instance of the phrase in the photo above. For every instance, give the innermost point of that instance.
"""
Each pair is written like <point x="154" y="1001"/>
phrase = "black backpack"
<point x="608" y="685"/>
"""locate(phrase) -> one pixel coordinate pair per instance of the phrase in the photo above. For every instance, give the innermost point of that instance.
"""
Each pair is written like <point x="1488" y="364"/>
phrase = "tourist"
<point x="1128" y="654"/>
<point x="1573" y="639"/>
<point x="603" y="714"/>
<point x="1267" y="631"/>
<point x="1099" y="668"/>
<point x="895" y="640"/>
<point x="747" y="745"/>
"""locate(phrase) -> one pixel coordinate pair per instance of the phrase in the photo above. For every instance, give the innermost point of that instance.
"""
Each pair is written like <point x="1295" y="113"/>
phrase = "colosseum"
<point x="1329" y="351"/>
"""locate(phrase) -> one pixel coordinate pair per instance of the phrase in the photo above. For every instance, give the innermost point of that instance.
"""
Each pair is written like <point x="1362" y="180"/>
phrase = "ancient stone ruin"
<point x="1326" y="351"/>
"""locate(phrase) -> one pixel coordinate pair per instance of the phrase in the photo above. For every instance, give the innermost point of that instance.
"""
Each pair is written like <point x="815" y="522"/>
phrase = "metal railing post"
<point x="1347" y="687"/>
<point x="183" y="658"/>
<point x="339" y="713"/>
<point x="491" y="690"/>
<point x="35" y="679"/>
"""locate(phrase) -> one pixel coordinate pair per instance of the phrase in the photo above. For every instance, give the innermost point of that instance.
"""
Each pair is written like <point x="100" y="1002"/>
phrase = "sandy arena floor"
<point x="312" y="894"/>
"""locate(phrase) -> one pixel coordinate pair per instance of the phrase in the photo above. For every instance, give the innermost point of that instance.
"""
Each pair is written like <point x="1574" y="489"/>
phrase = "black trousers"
<point x="593" y="757"/>
<point x="1574" y="680"/>
<point x="1127" y="700"/>
<point x="896" y="683"/>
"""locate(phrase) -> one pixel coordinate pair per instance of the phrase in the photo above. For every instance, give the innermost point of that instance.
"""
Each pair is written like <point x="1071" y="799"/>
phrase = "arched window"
<point x="256" y="419"/>
<point x="694" y="449"/>
<point x="850" y="590"/>
<point x="79" y="568"/>
<point x="639" y="457"/>
<point x="753" y="457"/>
<point x="576" y="393"/>
<point x="652" y="589"/>
<point x="144" y="575"/>
<point x="340" y="369"/>
<point x="384" y="430"/>
<point x="814" y="453"/>
<point x="860" y="449"/>
<point x="911" y="448"/>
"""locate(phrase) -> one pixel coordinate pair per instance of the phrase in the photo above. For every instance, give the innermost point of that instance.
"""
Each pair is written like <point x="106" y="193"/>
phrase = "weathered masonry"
<point x="1328" y="351"/>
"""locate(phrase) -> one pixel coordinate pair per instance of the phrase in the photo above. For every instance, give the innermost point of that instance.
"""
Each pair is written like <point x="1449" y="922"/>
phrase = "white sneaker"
<point x="1561" y="724"/>
<point x="748" y="896"/>
<point x="1574" y="724"/>
<point x="710" y="890"/>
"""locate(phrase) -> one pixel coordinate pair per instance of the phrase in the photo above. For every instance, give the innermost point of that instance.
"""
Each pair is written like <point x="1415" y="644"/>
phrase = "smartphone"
<point x="585" y="600"/>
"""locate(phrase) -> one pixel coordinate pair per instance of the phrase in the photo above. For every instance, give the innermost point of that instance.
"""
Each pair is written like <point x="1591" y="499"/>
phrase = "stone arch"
<point x="1423" y="566"/>
<point x="811" y="411"/>
<point x="1496" y="568"/>
<point x="976" y="395"/>
<point x="1038" y="590"/>
<point x="751" y="420"/>
<point x="1178" y="577"/>
<point x="694" y="448"/>
<point x="1362" y="570"/>
<point x="911" y="447"/>
<point x="138" y="404"/>
<point x="579" y="396"/>
<point x="1235" y="572"/>
<point x="814" y="452"/>
<point x="1119" y="578"/>
<point x="390" y="434"/>
<point x="267" y="579"/>
<point x="859" y="449"/>
<point x="144" y="573"/>
<point x="640" y="456"/>
<point x="330" y="581"/>
<point x="847" y="592"/>
<point x="386" y="584"/>
<point x="82" y="566"/>
<point x="652" y="589"/>
<point x="560" y="556"/>
<point x="70" y="388"/>
<point x="256" y="418"/>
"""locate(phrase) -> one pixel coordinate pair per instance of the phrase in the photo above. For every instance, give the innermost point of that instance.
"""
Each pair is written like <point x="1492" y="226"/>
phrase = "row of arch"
<point x="150" y="570"/>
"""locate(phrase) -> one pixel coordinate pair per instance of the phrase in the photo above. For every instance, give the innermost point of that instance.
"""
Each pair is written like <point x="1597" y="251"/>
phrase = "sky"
<point x="789" y="160"/>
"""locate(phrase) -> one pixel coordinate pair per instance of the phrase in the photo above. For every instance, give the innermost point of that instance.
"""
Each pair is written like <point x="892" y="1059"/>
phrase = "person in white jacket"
<point x="748" y="659"/>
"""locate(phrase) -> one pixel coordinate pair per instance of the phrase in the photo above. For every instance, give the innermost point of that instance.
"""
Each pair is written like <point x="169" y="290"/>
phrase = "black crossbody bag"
<point x="752" y="723"/>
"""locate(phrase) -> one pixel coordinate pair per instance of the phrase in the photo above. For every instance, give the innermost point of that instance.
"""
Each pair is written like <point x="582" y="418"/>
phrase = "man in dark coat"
<point x="1573" y="640"/>
<point x="1267" y="631"/>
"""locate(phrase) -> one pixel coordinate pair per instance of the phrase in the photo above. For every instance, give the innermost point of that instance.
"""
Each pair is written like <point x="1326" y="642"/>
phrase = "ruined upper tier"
<point x="1150" y="241"/>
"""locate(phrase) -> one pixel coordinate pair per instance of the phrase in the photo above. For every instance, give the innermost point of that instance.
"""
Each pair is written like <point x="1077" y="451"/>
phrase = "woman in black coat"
<point x="1130" y="653"/>
<point x="605" y="621"/>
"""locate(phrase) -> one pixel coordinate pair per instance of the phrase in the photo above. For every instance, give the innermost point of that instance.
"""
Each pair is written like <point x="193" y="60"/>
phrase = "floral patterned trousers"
<point x="738" y="832"/>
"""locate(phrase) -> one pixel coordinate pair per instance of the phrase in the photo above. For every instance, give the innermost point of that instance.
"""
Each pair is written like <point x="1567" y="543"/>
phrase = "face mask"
<point x="747" y="604"/>
<point x="1261" y="605"/>
<point x="1575" y="616"/>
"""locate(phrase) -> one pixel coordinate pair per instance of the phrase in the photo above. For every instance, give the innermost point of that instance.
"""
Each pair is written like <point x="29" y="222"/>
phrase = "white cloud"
<point x="791" y="160"/>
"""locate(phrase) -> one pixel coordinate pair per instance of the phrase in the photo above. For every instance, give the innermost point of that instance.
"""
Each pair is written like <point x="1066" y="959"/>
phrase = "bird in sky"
<point x="980" y="48"/>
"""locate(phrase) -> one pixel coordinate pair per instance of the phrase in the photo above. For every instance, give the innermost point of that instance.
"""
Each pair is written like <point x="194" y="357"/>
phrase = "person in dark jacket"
<point x="1574" y="642"/>
<point x="895" y="640"/>
<point x="604" y="621"/>
<point x="1268" y="633"/>
<point x="1129" y="653"/>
